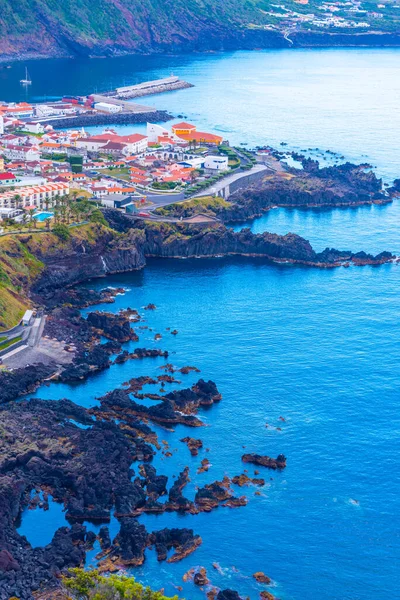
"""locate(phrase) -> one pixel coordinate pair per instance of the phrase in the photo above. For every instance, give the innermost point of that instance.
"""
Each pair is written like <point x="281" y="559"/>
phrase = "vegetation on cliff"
<point x="91" y="585"/>
<point x="22" y="260"/>
<point x="76" y="27"/>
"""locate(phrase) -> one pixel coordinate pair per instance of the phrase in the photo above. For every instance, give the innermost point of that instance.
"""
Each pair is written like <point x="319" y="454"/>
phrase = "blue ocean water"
<point x="317" y="347"/>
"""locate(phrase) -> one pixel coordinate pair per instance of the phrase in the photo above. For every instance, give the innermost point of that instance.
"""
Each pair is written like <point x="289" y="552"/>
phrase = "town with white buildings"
<point x="40" y="165"/>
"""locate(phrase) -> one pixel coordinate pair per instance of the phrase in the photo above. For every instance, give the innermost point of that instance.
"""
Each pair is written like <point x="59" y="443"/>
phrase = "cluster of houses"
<point x="37" y="162"/>
<point x="347" y="14"/>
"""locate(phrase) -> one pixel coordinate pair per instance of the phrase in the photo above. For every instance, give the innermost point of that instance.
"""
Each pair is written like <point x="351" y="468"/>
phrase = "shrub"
<point x="90" y="585"/>
<point x="98" y="217"/>
<point x="62" y="232"/>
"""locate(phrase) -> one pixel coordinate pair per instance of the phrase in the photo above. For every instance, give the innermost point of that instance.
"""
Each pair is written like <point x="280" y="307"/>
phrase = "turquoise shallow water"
<point x="318" y="347"/>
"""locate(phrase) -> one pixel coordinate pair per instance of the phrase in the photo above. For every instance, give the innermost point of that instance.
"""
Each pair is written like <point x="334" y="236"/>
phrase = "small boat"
<point x="27" y="80"/>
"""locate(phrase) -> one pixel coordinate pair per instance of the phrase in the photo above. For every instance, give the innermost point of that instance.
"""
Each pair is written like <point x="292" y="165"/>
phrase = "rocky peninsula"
<point x="311" y="186"/>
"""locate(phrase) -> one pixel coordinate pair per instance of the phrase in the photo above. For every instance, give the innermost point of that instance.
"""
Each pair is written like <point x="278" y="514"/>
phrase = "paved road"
<point x="37" y="349"/>
<point x="220" y="185"/>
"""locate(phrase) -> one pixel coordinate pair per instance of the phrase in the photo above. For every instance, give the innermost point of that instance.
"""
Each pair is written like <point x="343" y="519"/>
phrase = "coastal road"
<point x="226" y="181"/>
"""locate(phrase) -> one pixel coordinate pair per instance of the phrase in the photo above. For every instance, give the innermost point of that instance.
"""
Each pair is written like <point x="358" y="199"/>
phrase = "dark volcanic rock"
<point x="119" y="401"/>
<point x="265" y="461"/>
<point x="8" y="562"/>
<point x="335" y="186"/>
<point x="131" y="542"/>
<point x="228" y="595"/>
<point x="87" y="363"/>
<point x="22" y="381"/>
<point x="114" y="327"/>
<point x="184" y="541"/>
<point x="156" y="485"/>
<point x="128" y="498"/>
<point x="193" y="445"/>
<point x="104" y="538"/>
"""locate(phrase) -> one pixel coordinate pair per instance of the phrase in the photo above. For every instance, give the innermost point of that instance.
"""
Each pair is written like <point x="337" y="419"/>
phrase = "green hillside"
<point x="100" y="27"/>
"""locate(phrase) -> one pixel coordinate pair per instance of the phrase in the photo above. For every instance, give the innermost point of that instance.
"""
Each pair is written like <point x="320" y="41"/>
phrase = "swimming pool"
<point x="42" y="216"/>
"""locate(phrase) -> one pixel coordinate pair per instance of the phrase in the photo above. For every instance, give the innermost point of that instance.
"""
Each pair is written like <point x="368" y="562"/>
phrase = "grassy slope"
<point x="210" y="205"/>
<point x="20" y="264"/>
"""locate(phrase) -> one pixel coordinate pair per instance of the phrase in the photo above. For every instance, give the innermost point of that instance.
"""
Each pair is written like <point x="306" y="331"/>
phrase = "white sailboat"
<point x="27" y="80"/>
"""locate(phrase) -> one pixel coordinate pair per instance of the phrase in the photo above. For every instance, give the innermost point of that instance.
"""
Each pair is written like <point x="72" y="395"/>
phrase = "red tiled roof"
<point x="183" y="125"/>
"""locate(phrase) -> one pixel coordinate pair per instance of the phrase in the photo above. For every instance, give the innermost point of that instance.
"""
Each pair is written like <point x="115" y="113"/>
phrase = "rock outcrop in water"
<point x="265" y="461"/>
<point x="343" y="185"/>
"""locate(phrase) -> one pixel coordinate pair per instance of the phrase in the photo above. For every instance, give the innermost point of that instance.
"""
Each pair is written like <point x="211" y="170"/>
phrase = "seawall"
<point x="148" y="88"/>
<point x="123" y="118"/>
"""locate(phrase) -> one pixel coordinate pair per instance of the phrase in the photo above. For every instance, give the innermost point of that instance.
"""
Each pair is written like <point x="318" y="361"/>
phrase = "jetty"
<point x="148" y="88"/>
<point x="125" y="106"/>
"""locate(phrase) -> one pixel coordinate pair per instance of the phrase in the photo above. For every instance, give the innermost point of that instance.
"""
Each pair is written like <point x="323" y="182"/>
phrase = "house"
<point x="21" y="152"/>
<point x="113" y="148"/>
<point x="91" y="144"/>
<point x="34" y="127"/>
<point x="216" y="163"/>
<point x="117" y="200"/>
<point x="1" y="164"/>
<point x="50" y="148"/>
<point x="133" y="144"/>
<point x="7" y="179"/>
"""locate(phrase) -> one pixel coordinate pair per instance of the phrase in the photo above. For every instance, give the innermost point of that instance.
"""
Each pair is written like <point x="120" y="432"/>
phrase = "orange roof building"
<point x="189" y="133"/>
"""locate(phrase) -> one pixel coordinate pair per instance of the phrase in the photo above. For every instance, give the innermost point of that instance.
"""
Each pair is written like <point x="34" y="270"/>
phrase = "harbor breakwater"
<point x="148" y="88"/>
<point x="121" y="118"/>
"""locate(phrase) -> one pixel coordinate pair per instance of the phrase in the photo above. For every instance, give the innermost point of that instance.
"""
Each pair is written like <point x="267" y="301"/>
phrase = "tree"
<point x="32" y="220"/>
<point x="16" y="200"/>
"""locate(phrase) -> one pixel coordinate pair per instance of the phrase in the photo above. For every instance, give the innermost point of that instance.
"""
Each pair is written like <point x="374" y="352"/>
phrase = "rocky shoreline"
<point x="83" y="458"/>
<point x="97" y="461"/>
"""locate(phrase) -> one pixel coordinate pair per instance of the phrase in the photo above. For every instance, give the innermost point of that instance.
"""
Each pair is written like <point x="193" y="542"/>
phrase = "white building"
<point x="216" y="163"/>
<point x="134" y="143"/>
<point x="14" y="152"/>
<point x="44" y="110"/>
<point x="40" y="196"/>
<point x="33" y="127"/>
<point x="107" y="107"/>
<point x="1" y="125"/>
<point x="155" y="131"/>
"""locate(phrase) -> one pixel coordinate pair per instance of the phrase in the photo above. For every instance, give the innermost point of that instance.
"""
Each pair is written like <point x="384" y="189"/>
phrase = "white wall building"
<point x="38" y="196"/>
<point x="29" y="153"/>
<point x="108" y="108"/>
<point x="216" y="163"/>
<point x="33" y="127"/>
<point x="154" y="131"/>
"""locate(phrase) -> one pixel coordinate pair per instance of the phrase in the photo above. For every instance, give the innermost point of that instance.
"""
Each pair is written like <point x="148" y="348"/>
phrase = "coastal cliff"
<point x="120" y="27"/>
<point x="34" y="266"/>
